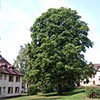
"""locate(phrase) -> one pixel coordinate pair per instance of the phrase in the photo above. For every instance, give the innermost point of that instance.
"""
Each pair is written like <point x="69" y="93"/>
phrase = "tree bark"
<point x="60" y="92"/>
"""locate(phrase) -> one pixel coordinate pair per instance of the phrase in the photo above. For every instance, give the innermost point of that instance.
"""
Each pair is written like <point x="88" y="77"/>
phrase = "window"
<point x="16" y="89"/>
<point x="17" y="79"/>
<point x="99" y="78"/>
<point x="5" y="76"/>
<point x="0" y="90"/>
<point x="10" y="78"/>
<point x="4" y="89"/>
<point x="86" y="81"/>
<point x="10" y="90"/>
<point x="0" y="76"/>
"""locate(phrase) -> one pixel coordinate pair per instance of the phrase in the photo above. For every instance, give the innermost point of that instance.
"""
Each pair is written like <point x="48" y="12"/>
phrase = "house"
<point x="10" y="79"/>
<point x="95" y="79"/>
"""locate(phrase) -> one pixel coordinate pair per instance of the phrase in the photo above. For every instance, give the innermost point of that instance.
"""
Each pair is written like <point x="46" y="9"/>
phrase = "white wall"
<point x="97" y="76"/>
<point x="6" y="84"/>
<point x="96" y="79"/>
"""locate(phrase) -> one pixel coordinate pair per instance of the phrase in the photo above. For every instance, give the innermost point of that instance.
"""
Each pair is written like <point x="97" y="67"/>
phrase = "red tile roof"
<point x="96" y="66"/>
<point x="7" y="68"/>
<point x="3" y="61"/>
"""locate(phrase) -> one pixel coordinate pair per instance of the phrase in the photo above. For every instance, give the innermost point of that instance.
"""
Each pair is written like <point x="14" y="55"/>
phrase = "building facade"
<point x="10" y="79"/>
<point x="95" y="79"/>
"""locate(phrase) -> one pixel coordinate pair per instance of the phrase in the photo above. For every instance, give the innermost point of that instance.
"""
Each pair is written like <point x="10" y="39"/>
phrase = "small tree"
<point x="21" y="60"/>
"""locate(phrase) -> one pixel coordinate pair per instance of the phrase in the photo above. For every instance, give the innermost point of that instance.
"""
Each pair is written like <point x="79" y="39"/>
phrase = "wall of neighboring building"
<point x="8" y="75"/>
<point x="3" y="84"/>
<point x="89" y="83"/>
<point x="95" y="80"/>
<point x="10" y="88"/>
<point x="97" y="77"/>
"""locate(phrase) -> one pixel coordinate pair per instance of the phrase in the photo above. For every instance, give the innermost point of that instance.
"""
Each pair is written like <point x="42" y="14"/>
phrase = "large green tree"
<point x="56" y="52"/>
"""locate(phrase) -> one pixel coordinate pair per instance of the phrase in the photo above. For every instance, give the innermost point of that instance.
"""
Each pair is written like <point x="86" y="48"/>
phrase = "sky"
<point x="17" y="16"/>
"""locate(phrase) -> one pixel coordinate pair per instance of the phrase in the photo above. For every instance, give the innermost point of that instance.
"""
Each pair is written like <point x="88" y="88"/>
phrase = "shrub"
<point x="98" y="92"/>
<point x="92" y="92"/>
<point x="68" y="88"/>
<point x="32" y="90"/>
<point x="47" y="88"/>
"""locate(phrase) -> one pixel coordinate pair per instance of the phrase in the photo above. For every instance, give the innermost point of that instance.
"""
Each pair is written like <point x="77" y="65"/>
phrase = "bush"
<point x="32" y="90"/>
<point x="68" y="88"/>
<point x="47" y="88"/>
<point x="92" y="92"/>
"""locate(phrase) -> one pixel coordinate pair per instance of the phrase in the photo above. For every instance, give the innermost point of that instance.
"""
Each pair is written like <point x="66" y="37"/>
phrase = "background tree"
<point x="21" y="60"/>
<point x="55" y="54"/>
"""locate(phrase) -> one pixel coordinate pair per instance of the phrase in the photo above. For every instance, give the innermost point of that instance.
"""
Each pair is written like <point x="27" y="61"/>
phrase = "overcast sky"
<point x="17" y="16"/>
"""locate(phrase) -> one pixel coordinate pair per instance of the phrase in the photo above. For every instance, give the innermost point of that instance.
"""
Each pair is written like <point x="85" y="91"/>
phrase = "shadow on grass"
<point x="55" y="96"/>
<point x="75" y="91"/>
<point x="49" y="96"/>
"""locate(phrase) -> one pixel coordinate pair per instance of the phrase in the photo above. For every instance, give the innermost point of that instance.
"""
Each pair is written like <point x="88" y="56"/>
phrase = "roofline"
<point x="6" y="61"/>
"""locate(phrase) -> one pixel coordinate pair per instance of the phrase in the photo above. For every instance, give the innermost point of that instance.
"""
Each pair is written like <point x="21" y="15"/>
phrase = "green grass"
<point x="77" y="94"/>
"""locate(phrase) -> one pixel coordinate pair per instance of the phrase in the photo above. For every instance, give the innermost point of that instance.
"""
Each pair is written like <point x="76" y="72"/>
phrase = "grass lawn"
<point x="77" y="94"/>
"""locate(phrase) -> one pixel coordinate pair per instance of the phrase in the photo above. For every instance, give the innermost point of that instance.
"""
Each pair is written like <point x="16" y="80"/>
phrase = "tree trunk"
<point x="60" y="92"/>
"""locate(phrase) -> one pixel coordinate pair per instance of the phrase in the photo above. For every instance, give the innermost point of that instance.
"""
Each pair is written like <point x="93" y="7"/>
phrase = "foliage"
<point x="56" y="52"/>
<point x="92" y="92"/>
<point x="21" y="60"/>
<point x="68" y="87"/>
<point x="47" y="88"/>
<point x="32" y="90"/>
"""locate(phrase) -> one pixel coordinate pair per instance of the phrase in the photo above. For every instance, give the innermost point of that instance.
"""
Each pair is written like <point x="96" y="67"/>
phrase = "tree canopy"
<point x="21" y="60"/>
<point x="56" y="52"/>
